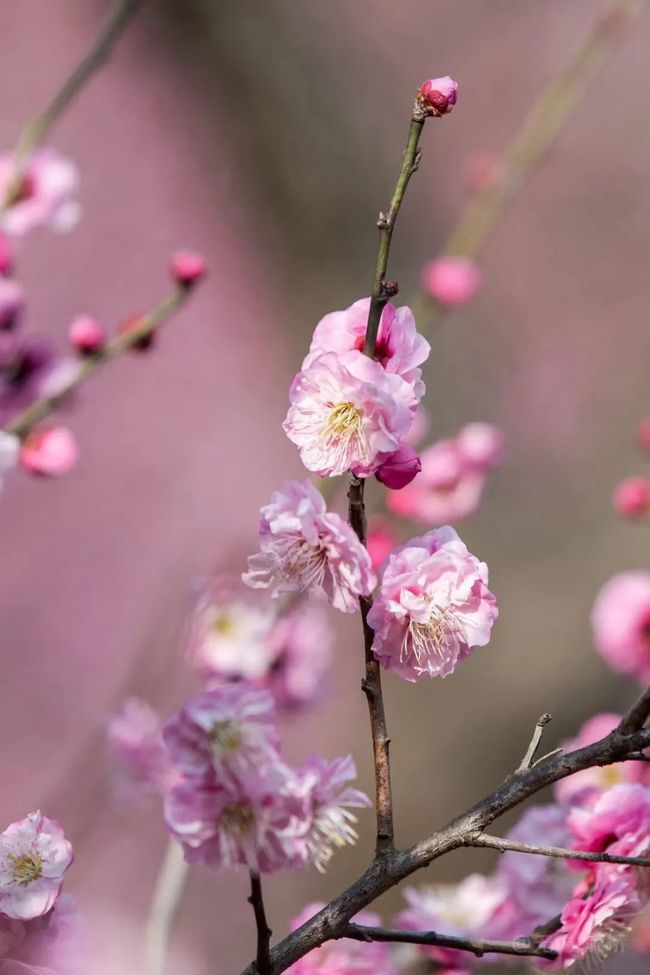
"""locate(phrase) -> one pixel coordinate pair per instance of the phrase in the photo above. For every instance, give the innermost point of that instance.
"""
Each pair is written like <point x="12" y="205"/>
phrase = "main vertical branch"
<point x="382" y="290"/>
<point x="256" y="900"/>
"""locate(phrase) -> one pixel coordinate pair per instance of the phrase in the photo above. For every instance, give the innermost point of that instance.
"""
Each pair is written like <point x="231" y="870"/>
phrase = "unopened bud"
<point x="436" y="96"/>
<point x="452" y="281"/>
<point x="399" y="468"/>
<point x="86" y="335"/>
<point x="49" y="452"/>
<point x="188" y="267"/>
<point x="632" y="497"/>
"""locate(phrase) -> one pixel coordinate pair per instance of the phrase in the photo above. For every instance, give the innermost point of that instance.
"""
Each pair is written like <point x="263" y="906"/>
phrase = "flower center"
<point x="343" y="432"/>
<point x="302" y="565"/>
<point x="238" y="817"/>
<point x="225" y="738"/>
<point x="223" y="625"/>
<point x="25" y="868"/>
<point x="432" y="637"/>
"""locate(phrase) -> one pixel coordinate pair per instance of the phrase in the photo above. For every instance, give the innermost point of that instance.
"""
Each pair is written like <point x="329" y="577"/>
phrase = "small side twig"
<point x="167" y="895"/>
<point x="477" y="946"/>
<point x="256" y="900"/>
<point x="527" y="760"/>
<point x="557" y="852"/>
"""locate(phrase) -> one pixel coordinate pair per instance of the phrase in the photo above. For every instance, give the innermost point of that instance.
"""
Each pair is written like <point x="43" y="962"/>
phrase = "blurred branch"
<point x="256" y="900"/>
<point x="146" y="326"/>
<point x="35" y="131"/>
<point x="524" y="947"/>
<point x="557" y="852"/>
<point x="168" y="891"/>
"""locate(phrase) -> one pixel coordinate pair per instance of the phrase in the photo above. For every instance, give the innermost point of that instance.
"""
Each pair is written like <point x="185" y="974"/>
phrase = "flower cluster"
<point x="238" y="801"/>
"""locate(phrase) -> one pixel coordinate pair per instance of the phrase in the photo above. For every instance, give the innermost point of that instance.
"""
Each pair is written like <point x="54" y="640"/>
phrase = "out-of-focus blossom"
<point x="330" y="798"/>
<point x="632" y="497"/>
<point x="399" y="468"/>
<point x="461" y="910"/>
<point x="6" y="256"/>
<point x="188" y="267"/>
<point x="225" y="732"/>
<point x="12" y="301"/>
<point x="595" y="926"/>
<point x="381" y="540"/>
<point x="34" y="856"/>
<point x="50" y="945"/>
<point x="9" y="453"/>
<point x="419" y="427"/>
<point x="620" y="621"/>
<point x="86" y="335"/>
<point x="482" y="445"/>
<point x="348" y="414"/>
<point x="399" y="348"/>
<point x="47" y="194"/>
<point x="304" y="548"/>
<point x="481" y="170"/>
<point x="433" y="607"/>
<point x="643" y="434"/>
<point x="301" y="648"/>
<point x="585" y="785"/>
<point x="139" y="762"/>
<point x="343" y="956"/>
<point x="437" y="96"/>
<point x="618" y="821"/>
<point x="228" y="632"/>
<point x="49" y="452"/>
<point x="451" y="281"/>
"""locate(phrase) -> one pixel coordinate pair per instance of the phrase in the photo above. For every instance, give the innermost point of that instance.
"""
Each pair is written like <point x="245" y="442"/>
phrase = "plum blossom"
<point x="301" y="648"/>
<point x="451" y="281"/>
<point x="348" y="413"/>
<point x="330" y="798"/>
<point x="34" y="856"/>
<point x="632" y="497"/>
<point x="139" y="762"/>
<point x="381" y="540"/>
<point x="583" y="786"/>
<point x="620" y="621"/>
<point x="437" y="96"/>
<point x="224" y="732"/>
<point x="304" y="548"/>
<point x="399" y="468"/>
<point x="188" y="267"/>
<point x="617" y="821"/>
<point x="47" y="194"/>
<point x="343" y="956"/>
<point x="86" y="335"/>
<point x="6" y="256"/>
<point x="399" y="348"/>
<point x="482" y="445"/>
<point x="433" y="607"/>
<point x="49" y="452"/>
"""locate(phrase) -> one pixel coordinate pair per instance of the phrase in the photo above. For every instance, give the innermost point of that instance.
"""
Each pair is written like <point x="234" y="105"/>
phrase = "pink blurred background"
<point x="267" y="136"/>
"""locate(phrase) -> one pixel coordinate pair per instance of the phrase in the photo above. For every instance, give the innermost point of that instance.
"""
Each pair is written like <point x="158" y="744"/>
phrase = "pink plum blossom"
<point x="86" y="335"/>
<point x="188" y="267"/>
<point x="47" y="194"/>
<point x="419" y="427"/>
<point x="6" y="256"/>
<point x="437" y="96"/>
<point x="632" y="497"/>
<point x="433" y="607"/>
<point x="49" y="452"/>
<point x="139" y="762"/>
<point x="579" y="788"/>
<point x="620" y="621"/>
<point x="301" y="649"/>
<point x="399" y="468"/>
<point x="34" y="856"/>
<point x="399" y="348"/>
<point x="343" y="956"/>
<point x="12" y="302"/>
<point x="451" y="281"/>
<point x="304" y="548"/>
<point x="330" y="798"/>
<point x="229" y="630"/>
<point x="617" y="821"/>
<point x="481" y="445"/>
<point x="381" y="540"/>
<point x="48" y="945"/>
<point x="348" y="413"/>
<point x="224" y="732"/>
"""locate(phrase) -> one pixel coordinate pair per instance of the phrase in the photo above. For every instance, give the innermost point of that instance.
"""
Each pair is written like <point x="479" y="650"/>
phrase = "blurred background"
<point x="268" y="135"/>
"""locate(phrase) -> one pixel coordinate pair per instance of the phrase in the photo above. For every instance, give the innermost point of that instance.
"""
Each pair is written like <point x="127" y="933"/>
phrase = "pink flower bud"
<point x="49" y="452"/>
<point x="399" y="468"/>
<point x="144" y="343"/>
<point x="632" y="497"/>
<point x="381" y="541"/>
<point x="188" y="267"/>
<point x="452" y="281"/>
<point x="12" y="299"/>
<point x="481" y="446"/>
<point x="86" y="335"/>
<point x="6" y="257"/>
<point x="437" y="96"/>
<point x="643" y="436"/>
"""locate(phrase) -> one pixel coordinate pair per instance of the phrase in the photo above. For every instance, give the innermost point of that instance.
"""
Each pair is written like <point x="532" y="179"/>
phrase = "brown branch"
<point x="256" y="900"/>
<point x="558" y="852"/>
<point x="638" y="714"/>
<point x="523" y="947"/>
<point x="531" y="751"/>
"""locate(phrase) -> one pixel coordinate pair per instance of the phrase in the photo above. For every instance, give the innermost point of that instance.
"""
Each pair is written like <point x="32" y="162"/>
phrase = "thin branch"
<point x="256" y="900"/>
<point x="531" y="751"/>
<point x="149" y="323"/>
<point x="477" y="946"/>
<point x="35" y="131"/>
<point x="168" y="892"/>
<point x="558" y="852"/>
<point x="638" y="714"/>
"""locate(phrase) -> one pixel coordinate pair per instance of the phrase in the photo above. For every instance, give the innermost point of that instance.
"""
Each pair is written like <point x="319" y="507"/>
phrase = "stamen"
<point x="225" y="737"/>
<point x="25" y="868"/>
<point x="344" y="434"/>
<point x="433" y="637"/>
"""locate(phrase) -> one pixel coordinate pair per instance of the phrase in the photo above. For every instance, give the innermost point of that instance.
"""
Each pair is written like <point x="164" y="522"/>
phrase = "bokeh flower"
<point x="47" y="194"/>
<point x="451" y="281"/>
<point x="620" y="621"/>
<point x="140" y="766"/>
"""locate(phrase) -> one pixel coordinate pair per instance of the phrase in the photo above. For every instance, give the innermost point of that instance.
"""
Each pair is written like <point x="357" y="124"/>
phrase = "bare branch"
<point x="560" y="853"/>
<point x="167" y="895"/>
<point x="527" y="760"/>
<point x="638" y="714"/>
<point x="256" y="900"/>
<point x="477" y="946"/>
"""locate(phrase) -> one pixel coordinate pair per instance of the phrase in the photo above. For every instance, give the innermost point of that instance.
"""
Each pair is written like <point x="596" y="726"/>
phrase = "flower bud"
<point x="145" y="342"/>
<point x="632" y="497"/>
<point x="49" y="452"/>
<point x="381" y="540"/>
<point x="188" y="267"/>
<point x="437" y="96"/>
<point x="12" y="300"/>
<point x="451" y="281"/>
<point x="86" y="335"/>
<point x="399" y="468"/>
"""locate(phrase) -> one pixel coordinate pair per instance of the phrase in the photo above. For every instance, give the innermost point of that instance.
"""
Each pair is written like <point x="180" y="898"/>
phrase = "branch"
<point x="147" y="325"/>
<point x="256" y="900"/>
<point x="168" y="891"/>
<point x="527" y="760"/>
<point x="637" y="716"/>
<point x="477" y="946"/>
<point x="35" y="131"/>
<point x="504" y="845"/>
